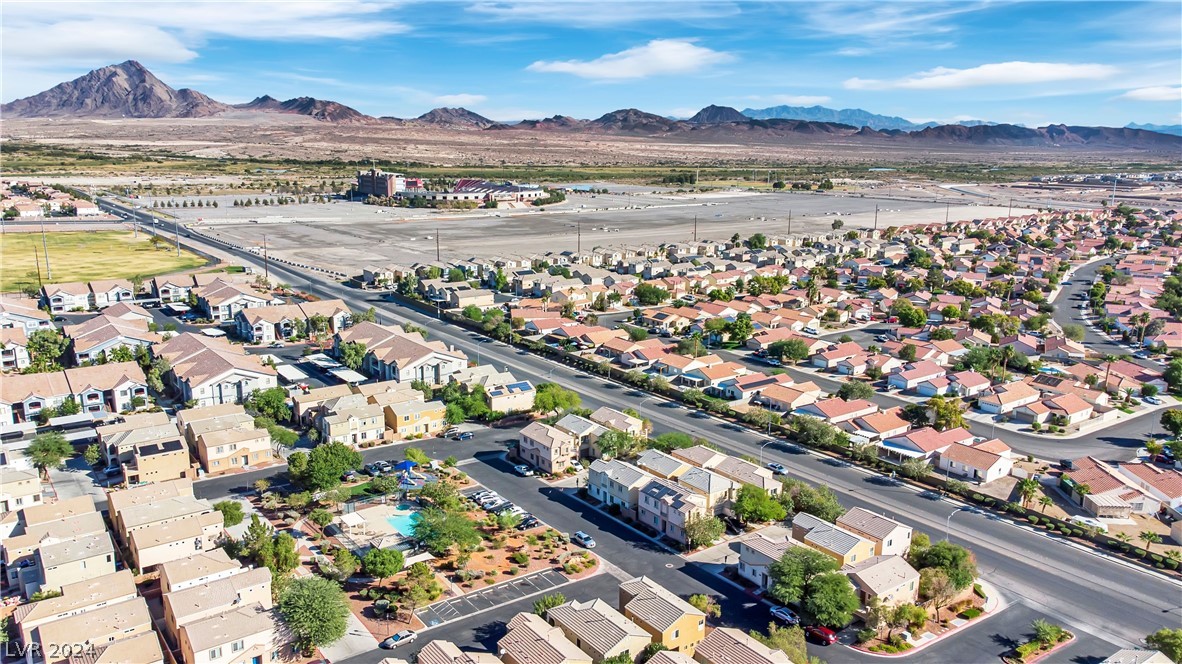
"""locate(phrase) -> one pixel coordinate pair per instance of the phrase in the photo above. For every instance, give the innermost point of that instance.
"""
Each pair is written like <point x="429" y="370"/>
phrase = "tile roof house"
<point x="1065" y="409"/>
<point x="842" y="545"/>
<point x="617" y="483"/>
<point x="670" y="620"/>
<point x="211" y="371"/>
<point x="838" y="410"/>
<point x="446" y="652"/>
<point x="887" y="579"/>
<point x="617" y="420"/>
<point x="1111" y="493"/>
<point x="878" y="426"/>
<point x="909" y="376"/>
<point x="726" y="645"/>
<point x="787" y="398"/>
<point x="394" y="354"/>
<point x="24" y="396"/>
<point x="1007" y="397"/>
<point x="598" y="629"/>
<point x="759" y="550"/>
<point x="890" y="537"/>
<point x="981" y="462"/>
<point x="923" y="443"/>
<point x="99" y="337"/>
<point x="529" y="639"/>
<point x="114" y="387"/>
<point x="1165" y="484"/>
<point x="547" y="448"/>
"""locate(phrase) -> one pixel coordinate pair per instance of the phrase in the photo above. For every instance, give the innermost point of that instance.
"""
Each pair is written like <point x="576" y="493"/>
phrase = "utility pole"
<point x="789" y="222"/>
<point x="875" y="218"/>
<point x="1010" y="212"/>
<point x="266" y="262"/>
<point x="695" y="228"/>
<point x="578" y="235"/>
<point x="45" y="247"/>
<point x="176" y="228"/>
<point x="947" y="209"/>
<point x="37" y="259"/>
<point x="437" y="259"/>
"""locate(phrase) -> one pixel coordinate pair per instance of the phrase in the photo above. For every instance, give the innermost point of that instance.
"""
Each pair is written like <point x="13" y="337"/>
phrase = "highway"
<point x="1073" y="585"/>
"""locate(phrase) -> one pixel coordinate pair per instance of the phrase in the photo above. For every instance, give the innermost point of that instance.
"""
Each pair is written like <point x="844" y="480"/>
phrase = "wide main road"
<point x="1071" y="584"/>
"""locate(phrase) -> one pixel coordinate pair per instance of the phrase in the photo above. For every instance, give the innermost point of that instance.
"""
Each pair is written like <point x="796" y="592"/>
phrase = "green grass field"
<point x="83" y="256"/>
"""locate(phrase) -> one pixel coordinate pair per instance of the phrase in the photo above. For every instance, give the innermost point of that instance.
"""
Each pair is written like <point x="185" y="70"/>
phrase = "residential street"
<point x="1086" y="591"/>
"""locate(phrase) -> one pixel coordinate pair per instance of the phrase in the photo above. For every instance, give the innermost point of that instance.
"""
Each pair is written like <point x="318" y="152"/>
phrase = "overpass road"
<point x="1072" y="584"/>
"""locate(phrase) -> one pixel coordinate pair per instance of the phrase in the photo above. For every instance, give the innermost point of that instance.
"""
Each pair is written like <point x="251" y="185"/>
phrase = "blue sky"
<point x="1101" y="63"/>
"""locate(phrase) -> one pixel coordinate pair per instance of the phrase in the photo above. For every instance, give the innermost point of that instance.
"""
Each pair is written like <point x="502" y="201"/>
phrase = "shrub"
<point x="865" y="635"/>
<point x="512" y="571"/>
<point x="978" y="591"/>
<point x="1027" y="649"/>
<point x="969" y="614"/>
<point x="978" y="497"/>
<point x="520" y="558"/>
<point x="1033" y="519"/>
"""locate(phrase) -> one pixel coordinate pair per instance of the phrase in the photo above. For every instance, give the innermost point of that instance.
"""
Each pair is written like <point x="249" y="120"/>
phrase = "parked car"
<point x="777" y="468"/>
<point x="822" y="635"/>
<point x="275" y="344"/>
<point x="527" y="521"/>
<point x="503" y="507"/>
<point x="583" y="539"/>
<point x="466" y="435"/>
<point x="785" y="615"/>
<point x="349" y="476"/>
<point x="372" y="469"/>
<point x="451" y="431"/>
<point x="1153" y="400"/>
<point x="405" y="636"/>
<point x="1141" y="355"/>
<point x="480" y="495"/>
<point x="523" y="470"/>
<point x="881" y="338"/>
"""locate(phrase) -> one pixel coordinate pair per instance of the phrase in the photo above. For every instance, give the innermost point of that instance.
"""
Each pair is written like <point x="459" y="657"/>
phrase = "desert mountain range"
<point x="129" y="90"/>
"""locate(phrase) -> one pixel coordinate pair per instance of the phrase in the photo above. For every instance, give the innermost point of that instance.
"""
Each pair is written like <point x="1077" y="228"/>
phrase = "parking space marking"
<point x="483" y="600"/>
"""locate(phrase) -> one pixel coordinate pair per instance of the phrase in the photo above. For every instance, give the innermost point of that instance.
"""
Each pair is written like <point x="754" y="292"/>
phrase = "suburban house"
<point x="1005" y="398"/>
<point x="889" y="580"/>
<point x="598" y="629"/>
<point x="662" y="465"/>
<point x="14" y="349"/>
<point x="787" y="398"/>
<point x="618" y="421"/>
<point x="726" y="645"/>
<point x="417" y="418"/>
<point x="115" y="388"/>
<point x="224" y="438"/>
<point x="1111" y="493"/>
<point x="529" y="639"/>
<point x="547" y="448"/>
<point x="617" y="483"/>
<point x="837" y="410"/>
<point x="584" y="431"/>
<point x="909" y="376"/>
<point x="306" y="405"/>
<point x="842" y="545"/>
<point x="517" y="396"/>
<point x="1064" y="409"/>
<point x="759" y="550"/>
<point x="221" y="300"/>
<point x="352" y="420"/>
<point x="119" y="632"/>
<point x="211" y="371"/>
<point x="19" y="489"/>
<point x="670" y="620"/>
<point x="890" y="537"/>
<point x="1164" y="484"/>
<point x="878" y="426"/>
<point x="982" y="462"/>
<point x="393" y="354"/>
<point x="266" y="324"/>
<point x="923" y="443"/>
<point x="667" y="507"/>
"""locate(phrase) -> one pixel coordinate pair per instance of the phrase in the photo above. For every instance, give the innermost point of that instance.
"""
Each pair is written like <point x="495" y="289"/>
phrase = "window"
<point x="676" y="633"/>
<point x="215" y="653"/>
<point x="237" y="646"/>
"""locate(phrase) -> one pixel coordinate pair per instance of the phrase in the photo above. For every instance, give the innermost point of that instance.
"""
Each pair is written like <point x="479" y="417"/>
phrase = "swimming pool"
<point x="403" y="522"/>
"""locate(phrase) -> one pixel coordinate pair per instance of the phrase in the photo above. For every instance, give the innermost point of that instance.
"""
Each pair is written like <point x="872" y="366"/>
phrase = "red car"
<point x="824" y="635"/>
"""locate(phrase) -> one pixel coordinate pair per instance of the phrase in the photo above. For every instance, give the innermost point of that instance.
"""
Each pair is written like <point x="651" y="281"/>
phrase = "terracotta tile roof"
<point x="1165" y="480"/>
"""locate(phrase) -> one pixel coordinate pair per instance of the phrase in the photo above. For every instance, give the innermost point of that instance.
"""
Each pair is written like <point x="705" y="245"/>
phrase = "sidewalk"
<point x="357" y="640"/>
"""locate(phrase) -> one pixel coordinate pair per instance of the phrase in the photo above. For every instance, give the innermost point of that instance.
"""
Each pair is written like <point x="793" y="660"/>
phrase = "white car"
<point x="583" y="539"/>
<point x="1089" y="522"/>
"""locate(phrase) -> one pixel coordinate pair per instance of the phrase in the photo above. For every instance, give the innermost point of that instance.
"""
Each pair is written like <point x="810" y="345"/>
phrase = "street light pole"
<point x="948" y="521"/>
<point x="640" y="408"/>
<point x="761" y="451"/>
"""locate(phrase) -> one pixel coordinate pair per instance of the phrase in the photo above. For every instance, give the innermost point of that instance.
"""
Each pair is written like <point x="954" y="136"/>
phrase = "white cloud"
<point x="460" y="99"/>
<point x="596" y="14"/>
<point x="878" y="20"/>
<point x="659" y="56"/>
<point x="1155" y="93"/>
<point x="1001" y="73"/>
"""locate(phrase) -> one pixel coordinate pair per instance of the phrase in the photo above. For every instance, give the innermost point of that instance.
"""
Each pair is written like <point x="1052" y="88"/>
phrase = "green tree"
<point x="637" y="333"/>
<point x="1074" y="332"/>
<point x="741" y="328"/>
<point x="439" y="531"/>
<point x="831" y="599"/>
<point x="49" y="450"/>
<point x="1027" y="489"/>
<point x="297" y="464"/>
<point x="353" y="354"/>
<point x="507" y="520"/>
<point x="1047" y="633"/>
<point x="553" y="398"/>
<point x="1168" y="641"/>
<point x="1171" y="420"/>
<point x="790" y="349"/>
<point x="706" y="604"/>
<point x="648" y="652"/>
<point x="382" y="563"/>
<point x="70" y="406"/>
<point x="1173" y="375"/>
<point x="946" y="413"/>
<point x="788" y="639"/>
<point x="909" y="315"/>
<point x="937" y="588"/>
<point x="326" y="464"/>
<point x="416" y="455"/>
<point x="315" y="610"/>
<point x="321" y="517"/>
<point x="231" y="512"/>
<point x="547" y="602"/>
<point x="956" y="561"/>
<point x="45" y="350"/>
<point x="821" y="502"/>
<point x="271" y="403"/>
<point x="703" y="531"/>
<point x="755" y="505"/>
<point x="93" y="454"/>
<point x="794" y="570"/>
<point x="855" y="389"/>
<point x="649" y="295"/>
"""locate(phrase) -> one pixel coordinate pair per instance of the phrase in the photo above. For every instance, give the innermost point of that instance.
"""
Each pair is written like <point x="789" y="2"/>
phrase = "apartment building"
<point x="529" y="639"/>
<point x="617" y="483"/>
<point x="76" y="599"/>
<point x="166" y="541"/>
<point x="547" y="448"/>
<point x="120" y="632"/>
<point x="418" y="418"/>
<point x="726" y="645"/>
<point x="19" y="489"/>
<point x="668" y="619"/>
<point x="842" y="545"/>
<point x="599" y="630"/>
<point x="890" y="537"/>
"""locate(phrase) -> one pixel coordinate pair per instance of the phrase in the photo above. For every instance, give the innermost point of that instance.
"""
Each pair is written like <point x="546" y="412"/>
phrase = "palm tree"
<point x="1124" y="537"/>
<point x="1046" y="501"/>
<point x="1150" y="538"/>
<point x="1007" y="353"/>
<point x="1027" y="488"/>
<point x="1174" y="555"/>
<point x="545" y="301"/>
<point x="1108" y="360"/>
<point x="1082" y="490"/>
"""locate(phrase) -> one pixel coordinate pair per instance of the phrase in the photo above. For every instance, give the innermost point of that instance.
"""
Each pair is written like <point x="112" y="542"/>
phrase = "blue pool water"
<point x="403" y="523"/>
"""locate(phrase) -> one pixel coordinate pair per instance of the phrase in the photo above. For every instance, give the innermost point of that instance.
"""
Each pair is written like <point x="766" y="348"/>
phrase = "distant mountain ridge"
<point x="1175" y="130"/>
<point x="129" y="90"/>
